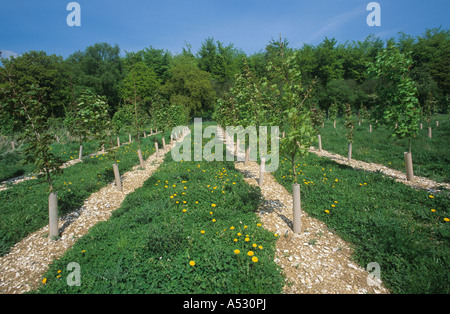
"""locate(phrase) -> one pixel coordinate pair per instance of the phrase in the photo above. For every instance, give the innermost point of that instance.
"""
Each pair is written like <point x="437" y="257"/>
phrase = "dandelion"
<point x="250" y="253"/>
<point x="202" y="232"/>
<point x="255" y="259"/>
<point x="260" y="247"/>
<point x="446" y="219"/>
<point x="239" y="234"/>
<point x="258" y="225"/>
<point x="232" y="228"/>
<point x="44" y="281"/>
<point x="237" y="251"/>
<point x="235" y="240"/>
<point x="327" y="211"/>
<point x="431" y="196"/>
<point x="184" y="202"/>
<point x="247" y="239"/>
<point x="433" y="210"/>
<point x="192" y="263"/>
<point x="335" y="202"/>
<point x="333" y="205"/>
<point x="254" y="245"/>
<point x="184" y="210"/>
<point x="213" y="220"/>
<point x="213" y="205"/>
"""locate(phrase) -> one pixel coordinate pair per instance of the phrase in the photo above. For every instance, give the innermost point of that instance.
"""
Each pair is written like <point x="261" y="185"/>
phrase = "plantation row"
<point x="406" y="231"/>
<point x="190" y="229"/>
<point x="23" y="209"/>
<point x="431" y="155"/>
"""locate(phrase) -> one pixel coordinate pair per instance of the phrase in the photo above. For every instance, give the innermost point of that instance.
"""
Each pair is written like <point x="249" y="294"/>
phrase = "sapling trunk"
<point x="430" y="133"/>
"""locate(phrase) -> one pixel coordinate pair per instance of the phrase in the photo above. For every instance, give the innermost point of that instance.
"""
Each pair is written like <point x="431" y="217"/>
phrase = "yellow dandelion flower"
<point x="44" y="281"/>
<point x="232" y="228"/>
<point x="213" y="205"/>
<point x="433" y="210"/>
<point x="250" y="253"/>
<point x="237" y="252"/>
<point x="254" y="245"/>
<point x="192" y="263"/>
<point x="327" y="211"/>
<point x="446" y="219"/>
<point x="247" y="239"/>
<point x="431" y="196"/>
<point x="202" y="232"/>
<point x="260" y="247"/>
<point x="255" y="259"/>
<point x="184" y="210"/>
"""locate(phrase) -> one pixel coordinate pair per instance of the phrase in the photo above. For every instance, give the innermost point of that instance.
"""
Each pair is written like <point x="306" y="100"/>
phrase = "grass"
<point x="191" y="229"/>
<point x="24" y="207"/>
<point x="406" y="231"/>
<point x="431" y="157"/>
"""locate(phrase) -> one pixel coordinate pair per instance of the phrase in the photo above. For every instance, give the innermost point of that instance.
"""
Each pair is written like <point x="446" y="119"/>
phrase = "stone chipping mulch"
<point x="316" y="261"/>
<point x="22" y="269"/>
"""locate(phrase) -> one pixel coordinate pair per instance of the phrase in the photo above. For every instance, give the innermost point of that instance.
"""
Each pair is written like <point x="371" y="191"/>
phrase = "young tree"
<point x="286" y="98"/>
<point x="29" y="104"/>
<point x="350" y="125"/>
<point x="398" y="93"/>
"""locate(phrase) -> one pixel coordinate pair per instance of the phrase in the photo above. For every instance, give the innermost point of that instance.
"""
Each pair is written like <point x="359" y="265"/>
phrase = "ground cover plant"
<point x="431" y="156"/>
<point x="23" y="206"/>
<point x="406" y="231"/>
<point x="191" y="228"/>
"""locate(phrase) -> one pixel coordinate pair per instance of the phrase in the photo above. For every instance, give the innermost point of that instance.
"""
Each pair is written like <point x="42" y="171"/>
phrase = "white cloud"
<point x="6" y="54"/>
<point x="337" y="21"/>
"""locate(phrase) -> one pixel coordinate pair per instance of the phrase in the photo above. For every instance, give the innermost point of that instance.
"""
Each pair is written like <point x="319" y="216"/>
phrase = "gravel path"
<point x="22" y="269"/>
<point x="316" y="261"/>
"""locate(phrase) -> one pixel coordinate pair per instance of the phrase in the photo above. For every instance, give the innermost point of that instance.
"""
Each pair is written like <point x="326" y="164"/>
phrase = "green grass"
<point x="431" y="157"/>
<point x="386" y="222"/>
<point x="24" y="207"/>
<point x="187" y="211"/>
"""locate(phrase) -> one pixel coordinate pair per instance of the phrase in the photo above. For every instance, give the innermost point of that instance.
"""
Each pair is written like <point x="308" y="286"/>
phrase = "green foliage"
<point x="99" y="68"/>
<point x="191" y="87"/>
<point x="400" y="106"/>
<point x="349" y="123"/>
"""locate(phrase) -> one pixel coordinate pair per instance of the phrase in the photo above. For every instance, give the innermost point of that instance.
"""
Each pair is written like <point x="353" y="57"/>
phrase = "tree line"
<point x="190" y="84"/>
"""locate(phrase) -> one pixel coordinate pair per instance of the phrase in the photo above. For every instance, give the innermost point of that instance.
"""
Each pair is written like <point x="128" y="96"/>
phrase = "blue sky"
<point x="248" y="24"/>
